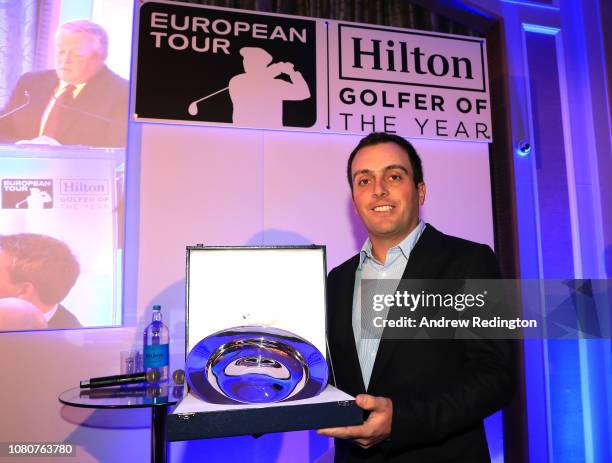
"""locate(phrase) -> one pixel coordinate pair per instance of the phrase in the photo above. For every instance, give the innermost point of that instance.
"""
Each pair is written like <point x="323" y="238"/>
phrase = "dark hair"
<point x="45" y="262"/>
<point x="376" y="138"/>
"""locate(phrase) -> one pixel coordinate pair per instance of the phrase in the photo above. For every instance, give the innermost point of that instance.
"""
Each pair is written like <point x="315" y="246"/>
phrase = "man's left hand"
<point x="376" y="429"/>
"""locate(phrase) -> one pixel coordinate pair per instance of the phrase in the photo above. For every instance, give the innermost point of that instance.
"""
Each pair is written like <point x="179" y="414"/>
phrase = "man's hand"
<point x="282" y="67"/>
<point x="376" y="429"/>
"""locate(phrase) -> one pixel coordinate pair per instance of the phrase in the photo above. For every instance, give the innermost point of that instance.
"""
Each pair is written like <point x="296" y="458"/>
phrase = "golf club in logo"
<point x="255" y="364"/>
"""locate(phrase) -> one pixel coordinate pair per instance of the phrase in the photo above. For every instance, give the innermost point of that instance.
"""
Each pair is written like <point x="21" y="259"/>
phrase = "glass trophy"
<point x="255" y="364"/>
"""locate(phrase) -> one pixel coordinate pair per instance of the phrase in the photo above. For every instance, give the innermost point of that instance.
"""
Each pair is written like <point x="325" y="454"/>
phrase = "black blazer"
<point x="98" y="117"/>
<point x="63" y="318"/>
<point x="441" y="389"/>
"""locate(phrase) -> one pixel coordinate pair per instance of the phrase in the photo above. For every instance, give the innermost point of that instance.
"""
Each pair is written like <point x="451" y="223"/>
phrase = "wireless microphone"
<point x="118" y="380"/>
<point x="114" y="392"/>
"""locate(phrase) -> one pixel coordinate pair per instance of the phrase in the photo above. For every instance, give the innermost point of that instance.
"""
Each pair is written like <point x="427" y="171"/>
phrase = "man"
<point x="41" y="270"/>
<point x="36" y="199"/>
<point x="258" y="94"/>
<point x="426" y="398"/>
<point x="81" y="102"/>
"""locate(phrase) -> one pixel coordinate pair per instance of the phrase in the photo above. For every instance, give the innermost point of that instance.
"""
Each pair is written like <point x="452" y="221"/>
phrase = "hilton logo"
<point x="409" y="60"/>
<point x="423" y="59"/>
<point x="83" y="187"/>
<point x="21" y="193"/>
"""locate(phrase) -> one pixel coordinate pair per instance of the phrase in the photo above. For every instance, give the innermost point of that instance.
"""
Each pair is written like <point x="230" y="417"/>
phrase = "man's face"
<point x="76" y="58"/>
<point x="384" y="192"/>
<point x="7" y="287"/>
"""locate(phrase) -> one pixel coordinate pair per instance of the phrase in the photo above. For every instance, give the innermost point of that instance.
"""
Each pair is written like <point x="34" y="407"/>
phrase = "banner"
<point x="223" y="67"/>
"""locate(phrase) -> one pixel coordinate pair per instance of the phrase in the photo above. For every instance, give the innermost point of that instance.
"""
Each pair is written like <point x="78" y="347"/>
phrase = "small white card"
<point x="281" y="287"/>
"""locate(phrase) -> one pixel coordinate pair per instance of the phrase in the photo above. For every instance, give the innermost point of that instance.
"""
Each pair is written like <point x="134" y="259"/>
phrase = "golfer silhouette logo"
<point x="257" y="94"/>
<point x="36" y="199"/>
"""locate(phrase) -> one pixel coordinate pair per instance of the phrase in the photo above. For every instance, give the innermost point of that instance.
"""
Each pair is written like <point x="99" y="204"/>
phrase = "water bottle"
<point x="155" y="346"/>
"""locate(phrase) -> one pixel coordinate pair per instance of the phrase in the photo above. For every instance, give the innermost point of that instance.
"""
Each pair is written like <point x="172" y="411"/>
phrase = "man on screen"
<point x="40" y="270"/>
<point x="426" y="398"/>
<point x="80" y="102"/>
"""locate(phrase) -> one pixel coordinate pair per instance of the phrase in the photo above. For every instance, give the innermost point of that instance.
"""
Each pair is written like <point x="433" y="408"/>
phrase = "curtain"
<point x="23" y="40"/>
<point x="396" y="13"/>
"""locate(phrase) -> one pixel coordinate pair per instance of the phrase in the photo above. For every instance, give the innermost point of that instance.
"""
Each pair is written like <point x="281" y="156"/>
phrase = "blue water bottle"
<point x="156" y="342"/>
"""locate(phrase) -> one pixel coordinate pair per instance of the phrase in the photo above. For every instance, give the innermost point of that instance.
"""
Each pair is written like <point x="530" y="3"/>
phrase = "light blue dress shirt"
<point x="370" y="268"/>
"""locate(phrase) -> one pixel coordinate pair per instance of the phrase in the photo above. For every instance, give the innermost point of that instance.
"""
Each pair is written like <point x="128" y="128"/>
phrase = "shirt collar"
<point x="49" y="315"/>
<point x="75" y="92"/>
<point x="405" y="246"/>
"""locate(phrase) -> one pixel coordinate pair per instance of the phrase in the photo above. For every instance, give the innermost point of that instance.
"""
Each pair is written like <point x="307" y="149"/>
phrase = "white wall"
<point x="220" y="186"/>
<point x="225" y="187"/>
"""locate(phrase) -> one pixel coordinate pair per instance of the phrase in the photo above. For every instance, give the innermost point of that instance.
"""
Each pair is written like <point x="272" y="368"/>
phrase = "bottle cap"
<point x="157" y="307"/>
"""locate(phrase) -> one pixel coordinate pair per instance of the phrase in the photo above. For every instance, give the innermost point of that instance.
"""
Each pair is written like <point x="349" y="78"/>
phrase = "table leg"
<point x="158" y="433"/>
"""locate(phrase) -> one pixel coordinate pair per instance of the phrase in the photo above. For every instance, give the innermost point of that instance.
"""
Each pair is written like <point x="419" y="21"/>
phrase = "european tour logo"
<point x="213" y="65"/>
<point x="21" y="193"/>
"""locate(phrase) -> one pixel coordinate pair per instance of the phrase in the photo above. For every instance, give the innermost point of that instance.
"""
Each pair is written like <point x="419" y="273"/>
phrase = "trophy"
<point x="255" y="364"/>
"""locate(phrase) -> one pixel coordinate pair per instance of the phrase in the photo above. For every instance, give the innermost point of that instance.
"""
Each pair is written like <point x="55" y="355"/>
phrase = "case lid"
<point x="280" y="286"/>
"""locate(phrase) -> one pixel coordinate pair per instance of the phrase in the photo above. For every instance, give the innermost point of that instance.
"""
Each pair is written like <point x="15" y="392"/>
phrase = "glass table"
<point x="156" y="397"/>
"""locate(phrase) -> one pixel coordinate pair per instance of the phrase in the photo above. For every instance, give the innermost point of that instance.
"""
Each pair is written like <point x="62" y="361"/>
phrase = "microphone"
<point x="155" y="392"/>
<point x="82" y="112"/>
<point x="28" y="98"/>
<point x="117" y="380"/>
